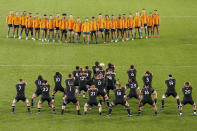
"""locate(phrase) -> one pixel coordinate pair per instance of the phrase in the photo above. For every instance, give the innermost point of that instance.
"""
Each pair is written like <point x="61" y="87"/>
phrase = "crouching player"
<point x="134" y="89"/>
<point x="99" y="82"/>
<point x="45" y="96"/>
<point x="71" y="94"/>
<point x="187" y="91"/>
<point x="20" y="88"/>
<point x="93" y="91"/>
<point x="146" y="93"/>
<point x="119" y="99"/>
<point x="38" y="92"/>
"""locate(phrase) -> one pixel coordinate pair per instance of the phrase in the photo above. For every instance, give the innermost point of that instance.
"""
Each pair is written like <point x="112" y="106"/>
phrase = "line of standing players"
<point x="99" y="86"/>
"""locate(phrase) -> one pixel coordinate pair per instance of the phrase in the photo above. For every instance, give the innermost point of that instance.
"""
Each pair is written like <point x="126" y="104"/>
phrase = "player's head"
<point x="86" y="19"/>
<point x="150" y="14"/>
<point x="30" y="14"/>
<point x="124" y="15"/>
<point x="131" y="66"/>
<point x="64" y="15"/>
<point x="147" y="73"/>
<point x="93" y="18"/>
<point x="58" y="15"/>
<point x="40" y="77"/>
<point x="24" y="12"/>
<point x="143" y="10"/>
<point x="170" y="76"/>
<point x="155" y="11"/>
<point x="96" y="63"/>
<point x="45" y="16"/>
<point x="37" y="14"/>
<point x="112" y="16"/>
<point x="69" y="75"/>
<point x="71" y="16"/>
<point x="130" y="15"/>
<point x="137" y="13"/>
<point x="17" y="13"/>
<point x="77" y="67"/>
<point x="187" y="83"/>
<point x="109" y="65"/>
<point x="100" y="68"/>
<point x="44" y="81"/>
<point x="87" y="67"/>
<point x="57" y="73"/>
<point x="70" y="83"/>
<point x="117" y="84"/>
<point x="50" y="17"/>
<point x="119" y="16"/>
<point x="20" y="80"/>
<point x="93" y="87"/>
<point x="106" y="16"/>
<point x="146" y="86"/>
<point x="100" y="15"/>
<point x="11" y="12"/>
<point x="78" y="19"/>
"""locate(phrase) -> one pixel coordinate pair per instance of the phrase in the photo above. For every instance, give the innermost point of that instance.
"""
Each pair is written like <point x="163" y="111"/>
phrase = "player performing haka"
<point x="147" y="78"/>
<point x="93" y="92"/>
<point x="170" y="82"/>
<point x="45" y="97"/>
<point x="119" y="93"/>
<point x="146" y="92"/>
<point x="58" y="84"/>
<point x="134" y="89"/>
<point x="99" y="82"/>
<point x="71" y="96"/>
<point x="187" y="91"/>
<point x="20" y="88"/>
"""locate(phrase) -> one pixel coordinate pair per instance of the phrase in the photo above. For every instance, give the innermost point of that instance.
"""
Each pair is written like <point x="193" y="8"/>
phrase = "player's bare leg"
<point x="84" y="95"/>
<point x="77" y="108"/>
<point x="8" y="32"/>
<point x="13" y="105"/>
<point x="53" y="106"/>
<point x="85" y="109"/>
<point x="155" y="109"/>
<point x="39" y="106"/>
<point x="88" y="39"/>
<point x="106" y="99"/>
<point x="84" y="39"/>
<point x="145" y="30"/>
<point x="178" y="101"/>
<point x="100" y="109"/>
<point x="157" y="31"/>
<point x="33" y="99"/>
<point x="110" y="109"/>
<point x="128" y="109"/>
<point x="163" y="101"/>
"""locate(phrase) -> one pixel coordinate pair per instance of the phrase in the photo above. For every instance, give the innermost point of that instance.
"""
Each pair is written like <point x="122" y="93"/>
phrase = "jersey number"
<point x="119" y="93"/>
<point x="45" y="89"/>
<point x="93" y="93"/>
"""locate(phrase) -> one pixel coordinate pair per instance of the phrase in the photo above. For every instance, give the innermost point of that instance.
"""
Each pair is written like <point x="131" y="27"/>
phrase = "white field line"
<point x="121" y="66"/>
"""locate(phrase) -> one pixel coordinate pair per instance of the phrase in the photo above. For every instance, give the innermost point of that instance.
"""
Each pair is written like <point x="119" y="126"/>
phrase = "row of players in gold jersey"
<point x="141" y="21"/>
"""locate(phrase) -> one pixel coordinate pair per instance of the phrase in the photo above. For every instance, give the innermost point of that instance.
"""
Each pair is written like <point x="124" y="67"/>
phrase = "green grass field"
<point x="174" y="52"/>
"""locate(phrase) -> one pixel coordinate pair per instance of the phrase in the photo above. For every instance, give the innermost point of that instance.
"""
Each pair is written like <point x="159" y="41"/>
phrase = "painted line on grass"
<point x="120" y="66"/>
